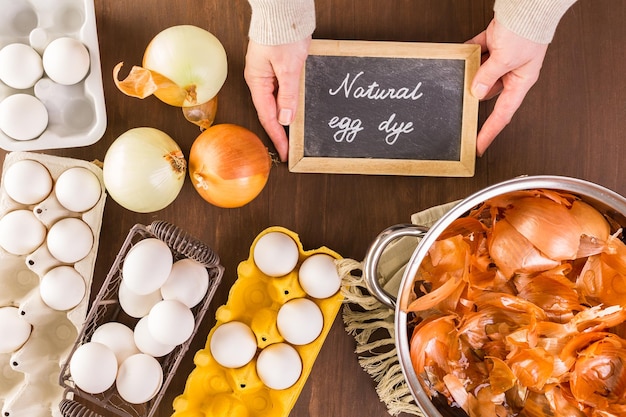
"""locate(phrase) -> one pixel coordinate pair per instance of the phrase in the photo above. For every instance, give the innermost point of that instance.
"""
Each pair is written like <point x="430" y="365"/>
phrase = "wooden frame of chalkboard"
<point x="386" y="108"/>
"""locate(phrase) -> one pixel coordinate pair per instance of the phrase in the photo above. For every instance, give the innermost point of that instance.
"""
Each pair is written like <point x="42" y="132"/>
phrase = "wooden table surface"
<point x="572" y="123"/>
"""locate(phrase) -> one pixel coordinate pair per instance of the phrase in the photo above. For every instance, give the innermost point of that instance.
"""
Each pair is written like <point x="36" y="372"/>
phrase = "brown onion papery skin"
<point x="229" y="165"/>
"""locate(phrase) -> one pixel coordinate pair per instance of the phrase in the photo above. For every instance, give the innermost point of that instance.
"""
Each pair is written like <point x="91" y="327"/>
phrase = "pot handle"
<point x="374" y="253"/>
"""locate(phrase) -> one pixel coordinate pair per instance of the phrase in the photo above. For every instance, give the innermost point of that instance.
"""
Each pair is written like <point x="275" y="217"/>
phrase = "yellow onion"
<point x="183" y="66"/>
<point x="229" y="165"/>
<point x="144" y="170"/>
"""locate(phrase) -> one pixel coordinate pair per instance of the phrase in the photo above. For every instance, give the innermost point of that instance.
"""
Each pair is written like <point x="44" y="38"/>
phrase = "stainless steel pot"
<point x="606" y="201"/>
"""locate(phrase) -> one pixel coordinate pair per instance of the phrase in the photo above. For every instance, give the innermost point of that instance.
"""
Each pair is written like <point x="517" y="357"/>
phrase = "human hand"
<point x="272" y="73"/>
<point x="512" y="67"/>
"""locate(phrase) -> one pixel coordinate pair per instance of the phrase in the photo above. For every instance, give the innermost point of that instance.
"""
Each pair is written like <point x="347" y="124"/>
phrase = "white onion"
<point x="144" y="170"/>
<point x="183" y="66"/>
<point x="189" y="56"/>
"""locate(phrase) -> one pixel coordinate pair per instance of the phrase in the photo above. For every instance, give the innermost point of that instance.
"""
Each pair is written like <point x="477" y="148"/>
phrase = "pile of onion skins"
<point x="524" y="310"/>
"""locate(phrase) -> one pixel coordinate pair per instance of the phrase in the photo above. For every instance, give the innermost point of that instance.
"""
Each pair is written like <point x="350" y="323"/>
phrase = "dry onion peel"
<point x="512" y="252"/>
<point x="549" y="226"/>
<point x="542" y="331"/>
<point x="203" y="114"/>
<point x="501" y="377"/>
<point x="592" y="223"/>
<point x="142" y="83"/>
<point x="599" y="375"/>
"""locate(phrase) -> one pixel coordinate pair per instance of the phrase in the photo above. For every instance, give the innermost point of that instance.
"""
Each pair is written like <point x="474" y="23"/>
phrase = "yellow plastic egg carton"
<point x="254" y="299"/>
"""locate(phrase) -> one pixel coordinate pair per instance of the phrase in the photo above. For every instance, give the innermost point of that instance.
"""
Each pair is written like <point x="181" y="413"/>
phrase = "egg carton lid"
<point x="106" y="308"/>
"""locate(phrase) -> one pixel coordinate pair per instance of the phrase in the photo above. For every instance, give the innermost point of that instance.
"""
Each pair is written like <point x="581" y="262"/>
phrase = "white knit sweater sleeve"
<point x="533" y="19"/>
<point x="276" y="22"/>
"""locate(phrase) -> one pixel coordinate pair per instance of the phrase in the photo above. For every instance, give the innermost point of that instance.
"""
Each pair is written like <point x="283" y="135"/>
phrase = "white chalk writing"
<point x="373" y="90"/>
<point x="348" y="128"/>
<point x="394" y="129"/>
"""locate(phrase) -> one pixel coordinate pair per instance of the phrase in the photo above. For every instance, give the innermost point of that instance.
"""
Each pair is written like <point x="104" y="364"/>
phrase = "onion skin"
<point x="229" y="165"/>
<point x="203" y="114"/>
<point x="536" y="324"/>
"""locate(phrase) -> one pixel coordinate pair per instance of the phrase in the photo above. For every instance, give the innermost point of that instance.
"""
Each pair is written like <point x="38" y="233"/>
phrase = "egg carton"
<point x="255" y="299"/>
<point x="106" y="308"/>
<point x="28" y="386"/>
<point x="76" y="113"/>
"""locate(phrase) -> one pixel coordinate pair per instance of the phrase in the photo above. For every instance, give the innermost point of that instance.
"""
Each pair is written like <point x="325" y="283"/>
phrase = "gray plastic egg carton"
<point x="107" y="308"/>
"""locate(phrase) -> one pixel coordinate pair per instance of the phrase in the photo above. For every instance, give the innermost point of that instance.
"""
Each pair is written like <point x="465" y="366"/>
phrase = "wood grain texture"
<point x="571" y="123"/>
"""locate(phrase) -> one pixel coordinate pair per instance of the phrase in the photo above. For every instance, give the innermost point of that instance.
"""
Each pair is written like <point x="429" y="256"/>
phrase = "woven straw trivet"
<point x="372" y="323"/>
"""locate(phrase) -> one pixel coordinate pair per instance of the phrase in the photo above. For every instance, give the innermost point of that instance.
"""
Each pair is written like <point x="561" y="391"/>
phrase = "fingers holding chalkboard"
<point x="273" y="77"/>
<point x="515" y="63"/>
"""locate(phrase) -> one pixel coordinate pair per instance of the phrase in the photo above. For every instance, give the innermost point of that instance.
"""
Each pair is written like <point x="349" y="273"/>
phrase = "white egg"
<point x="139" y="378"/>
<point x="188" y="282"/>
<point x="70" y="240"/>
<point x="78" y="189"/>
<point x="137" y="305"/>
<point x="233" y="344"/>
<point x="62" y="288"/>
<point x="27" y="182"/>
<point x="21" y="232"/>
<point x="318" y="276"/>
<point x="20" y="66"/>
<point x="146" y="343"/>
<point x="275" y="254"/>
<point x="171" y="322"/>
<point x="300" y="321"/>
<point x="279" y="366"/>
<point x="66" y="61"/>
<point x="23" y="117"/>
<point x="93" y="367"/>
<point x="118" y="337"/>
<point x="147" y="266"/>
<point x="14" y="329"/>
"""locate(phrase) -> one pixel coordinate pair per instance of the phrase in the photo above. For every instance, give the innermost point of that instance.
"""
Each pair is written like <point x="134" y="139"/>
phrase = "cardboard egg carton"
<point x="255" y="299"/>
<point x="76" y="113"/>
<point x="29" y="384"/>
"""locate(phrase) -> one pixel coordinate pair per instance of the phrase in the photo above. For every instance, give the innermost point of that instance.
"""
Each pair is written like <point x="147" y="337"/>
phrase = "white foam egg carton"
<point x="29" y="376"/>
<point x="76" y="113"/>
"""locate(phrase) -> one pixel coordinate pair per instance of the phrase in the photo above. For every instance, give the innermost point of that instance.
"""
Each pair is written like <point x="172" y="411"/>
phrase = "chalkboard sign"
<point x="392" y="108"/>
